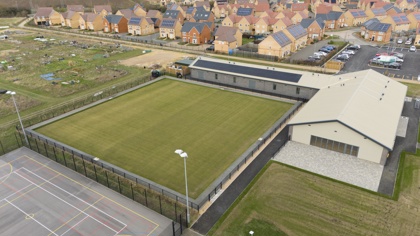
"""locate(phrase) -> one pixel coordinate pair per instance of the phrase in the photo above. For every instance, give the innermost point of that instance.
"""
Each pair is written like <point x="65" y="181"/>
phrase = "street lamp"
<point x="185" y="156"/>
<point x="12" y="93"/>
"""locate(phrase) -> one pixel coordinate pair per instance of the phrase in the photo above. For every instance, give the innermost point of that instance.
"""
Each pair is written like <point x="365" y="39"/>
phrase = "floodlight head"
<point x="179" y="151"/>
<point x="184" y="155"/>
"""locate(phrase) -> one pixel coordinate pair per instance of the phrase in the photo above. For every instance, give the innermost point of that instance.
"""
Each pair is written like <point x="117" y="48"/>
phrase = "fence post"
<point x="55" y="155"/>
<point x="84" y="166"/>
<point x="107" y="182"/>
<point x="119" y="184"/>
<point x="64" y="157"/>
<point x="46" y="151"/>
<point x="180" y="222"/>
<point x="132" y="191"/>
<point x="175" y="212"/>
<point x="160" y="204"/>
<point x="1" y="144"/>
<point x="74" y="163"/>
<point x="96" y="176"/>
<point x="145" y="196"/>
<point x="173" y="228"/>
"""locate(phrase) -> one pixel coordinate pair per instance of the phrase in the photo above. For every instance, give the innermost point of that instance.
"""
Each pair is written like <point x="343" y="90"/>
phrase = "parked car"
<point x="327" y="51"/>
<point x="356" y="45"/>
<point x="397" y="54"/>
<point x="330" y="47"/>
<point x="400" y="41"/>
<point x="322" y="54"/>
<point x="350" y="52"/>
<point x="413" y="49"/>
<point x="343" y="57"/>
<point x="352" y="47"/>
<point x="399" y="59"/>
<point x="394" y="65"/>
<point x="210" y="41"/>
<point x="382" y="54"/>
<point x="408" y="42"/>
<point x="376" y="61"/>
<point x="316" y="57"/>
<point x="211" y="48"/>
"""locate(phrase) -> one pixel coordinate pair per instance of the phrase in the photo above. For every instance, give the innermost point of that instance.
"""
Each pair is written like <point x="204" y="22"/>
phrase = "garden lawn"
<point x="141" y="130"/>
<point x="299" y="203"/>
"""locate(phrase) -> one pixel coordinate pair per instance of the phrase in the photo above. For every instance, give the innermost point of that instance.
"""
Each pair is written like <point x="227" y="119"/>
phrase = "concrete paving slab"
<point x="331" y="164"/>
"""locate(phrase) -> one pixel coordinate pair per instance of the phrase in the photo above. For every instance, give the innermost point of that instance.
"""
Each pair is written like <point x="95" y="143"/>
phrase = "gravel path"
<point x="335" y="165"/>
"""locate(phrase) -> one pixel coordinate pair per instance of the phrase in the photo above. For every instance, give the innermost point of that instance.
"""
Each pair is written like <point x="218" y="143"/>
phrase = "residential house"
<point x="417" y="40"/>
<point x="204" y="4"/>
<point x="176" y="7"/>
<point x="227" y="38"/>
<point x="378" y="13"/>
<point x="141" y="26"/>
<point x="203" y="16"/>
<point x="262" y="26"/>
<point x="399" y="22"/>
<point x="281" y="24"/>
<point x="174" y="14"/>
<point x="414" y="18"/>
<point x="298" y="35"/>
<point x="47" y="16"/>
<point x="261" y="7"/>
<point x="298" y="17"/>
<point x="323" y="8"/>
<point x="314" y="27"/>
<point x="355" y="17"/>
<point x="374" y="30"/>
<point x="245" y="24"/>
<point x="269" y="13"/>
<point x="366" y="4"/>
<point x="170" y="28"/>
<point x="189" y="13"/>
<point x="102" y="10"/>
<point x="77" y="8"/>
<point x="115" y="24"/>
<point x="70" y="19"/>
<point x="127" y="13"/>
<point x="156" y="17"/>
<point x="139" y="10"/>
<point x="245" y="11"/>
<point x="333" y="19"/>
<point x="391" y="9"/>
<point x="91" y="21"/>
<point x="277" y="44"/>
<point x="220" y="10"/>
<point x="405" y="5"/>
<point x="196" y="33"/>
<point x="298" y="7"/>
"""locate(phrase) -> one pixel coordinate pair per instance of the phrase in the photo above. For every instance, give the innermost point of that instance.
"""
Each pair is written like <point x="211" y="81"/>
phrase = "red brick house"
<point x="196" y="33"/>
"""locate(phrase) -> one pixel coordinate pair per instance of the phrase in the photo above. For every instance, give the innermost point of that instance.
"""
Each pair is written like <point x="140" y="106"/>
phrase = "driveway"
<point x="307" y="51"/>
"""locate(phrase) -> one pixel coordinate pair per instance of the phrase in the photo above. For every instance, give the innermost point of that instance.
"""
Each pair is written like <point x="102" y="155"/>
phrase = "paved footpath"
<point x="226" y="199"/>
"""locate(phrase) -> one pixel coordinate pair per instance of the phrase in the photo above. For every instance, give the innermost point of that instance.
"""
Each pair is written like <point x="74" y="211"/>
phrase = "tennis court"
<point x="40" y="197"/>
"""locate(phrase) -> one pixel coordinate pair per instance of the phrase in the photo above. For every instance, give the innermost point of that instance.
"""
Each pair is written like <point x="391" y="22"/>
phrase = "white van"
<point x="4" y="37"/>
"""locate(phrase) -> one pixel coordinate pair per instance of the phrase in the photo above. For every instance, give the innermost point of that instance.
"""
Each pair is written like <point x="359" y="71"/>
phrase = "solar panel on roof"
<point x="281" y="38"/>
<point x="297" y="31"/>
<point x="417" y="16"/>
<point x="244" y="11"/>
<point x="135" y="21"/>
<point x="167" y="23"/>
<point x="270" y="74"/>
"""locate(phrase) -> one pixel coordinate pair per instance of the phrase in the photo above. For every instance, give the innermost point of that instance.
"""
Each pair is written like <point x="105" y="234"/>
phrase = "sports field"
<point x="286" y="201"/>
<point x="141" y="130"/>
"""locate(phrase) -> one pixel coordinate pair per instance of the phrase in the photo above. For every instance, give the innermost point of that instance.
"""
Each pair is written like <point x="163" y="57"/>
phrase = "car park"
<point x="350" y="52"/>
<point x="330" y="47"/>
<point x="413" y="49"/>
<point x="321" y="53"/>
<point x="324" y="50"/>
<point x="394" y="65"/>
<point x="397" y="54"/>
<point x="316" y="57"/>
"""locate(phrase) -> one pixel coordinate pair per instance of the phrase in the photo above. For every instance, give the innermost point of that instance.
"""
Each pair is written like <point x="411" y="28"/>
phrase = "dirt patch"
<point x="4" y="53"/>
<point x="155" y="57"/>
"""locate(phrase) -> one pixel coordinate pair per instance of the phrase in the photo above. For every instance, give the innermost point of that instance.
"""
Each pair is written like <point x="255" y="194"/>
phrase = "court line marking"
<point x="8" y="174"/>
<point x="12" y="161"/>
<point x="121" y="231"/>
<point x="46" y="181"/>
<point x="14" y="199"/>
<point x="118" y="204"/>
<point x="73" y="225"/>
<point x="27" y="215"/>
<point x="65" y="223"/>
<point x="92" y="205"/>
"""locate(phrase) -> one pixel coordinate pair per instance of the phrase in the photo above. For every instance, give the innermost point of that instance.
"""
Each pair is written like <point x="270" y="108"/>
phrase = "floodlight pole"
<point x="184" y="155"/>
<point x="12" y="93"/>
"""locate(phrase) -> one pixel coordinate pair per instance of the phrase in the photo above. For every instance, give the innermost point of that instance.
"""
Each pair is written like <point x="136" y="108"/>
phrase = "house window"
<point x="234" y="79"/>
<point x="274" y="86"/>
<point x="297" y="90"/>
<point x="215" y="76"/>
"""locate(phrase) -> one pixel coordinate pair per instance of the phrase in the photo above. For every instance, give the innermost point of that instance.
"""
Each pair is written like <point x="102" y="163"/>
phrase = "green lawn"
<point x="300" y="203"/>
<point x="10" y="21"/>
<point x="141" y="130"/>
<point x="247" y="40"/>
<point x="413" y="89"/>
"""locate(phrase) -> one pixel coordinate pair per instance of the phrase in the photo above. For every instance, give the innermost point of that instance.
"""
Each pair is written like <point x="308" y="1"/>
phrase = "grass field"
<point x="413" y="89"/>
<point x="141" y="130"/>
<point x="294" y="202"/>
<point x="10" y="21"/>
